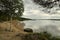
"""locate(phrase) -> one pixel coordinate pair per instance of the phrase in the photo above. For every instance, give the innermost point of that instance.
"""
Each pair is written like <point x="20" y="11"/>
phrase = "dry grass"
<point x="11" y="30"/>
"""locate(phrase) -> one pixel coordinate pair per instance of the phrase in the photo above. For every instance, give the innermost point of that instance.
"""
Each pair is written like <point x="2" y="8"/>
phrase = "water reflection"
<point x="44" y="25"/>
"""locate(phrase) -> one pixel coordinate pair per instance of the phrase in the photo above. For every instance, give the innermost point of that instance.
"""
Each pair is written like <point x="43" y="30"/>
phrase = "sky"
<point x="35" y="11"/>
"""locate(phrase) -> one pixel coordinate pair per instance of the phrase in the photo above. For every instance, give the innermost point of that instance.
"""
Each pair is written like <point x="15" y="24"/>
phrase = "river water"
<point x="51" y="26"/>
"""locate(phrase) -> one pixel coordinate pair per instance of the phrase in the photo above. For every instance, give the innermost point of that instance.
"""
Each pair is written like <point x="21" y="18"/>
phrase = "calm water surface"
<point x="52" y="26"/>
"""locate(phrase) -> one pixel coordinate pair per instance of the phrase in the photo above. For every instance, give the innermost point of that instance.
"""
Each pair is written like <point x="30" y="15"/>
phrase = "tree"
<point x="11" y="9"/>
<point x="46" y="3"/>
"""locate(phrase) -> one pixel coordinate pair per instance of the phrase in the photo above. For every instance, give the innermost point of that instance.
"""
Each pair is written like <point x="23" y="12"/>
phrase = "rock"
<point x="28" y="30"/>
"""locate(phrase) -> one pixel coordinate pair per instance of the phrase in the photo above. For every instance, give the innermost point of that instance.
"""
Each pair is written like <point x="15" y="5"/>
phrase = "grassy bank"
<point x="17" y="32"/>
<point x="40" y="36"/>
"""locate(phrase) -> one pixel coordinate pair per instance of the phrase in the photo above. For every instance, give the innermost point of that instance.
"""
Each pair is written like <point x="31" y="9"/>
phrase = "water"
<point x="51" y="26"/>
<point x="35" y="11"/>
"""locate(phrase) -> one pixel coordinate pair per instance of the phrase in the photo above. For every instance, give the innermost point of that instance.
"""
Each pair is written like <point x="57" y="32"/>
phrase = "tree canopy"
<point x="46" y="3"/>
<point x="11" y="9"/>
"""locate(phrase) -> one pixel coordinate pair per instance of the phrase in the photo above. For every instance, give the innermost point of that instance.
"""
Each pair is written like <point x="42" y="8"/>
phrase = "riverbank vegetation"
<point x="41" y="36"/>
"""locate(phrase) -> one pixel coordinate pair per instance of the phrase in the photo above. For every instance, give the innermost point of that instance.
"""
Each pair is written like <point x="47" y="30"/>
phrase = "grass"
<point x="40" y="36"/>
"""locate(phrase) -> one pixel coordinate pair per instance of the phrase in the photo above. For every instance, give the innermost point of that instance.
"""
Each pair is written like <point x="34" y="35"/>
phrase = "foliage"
<point x="11" y="9"/>
<point x="40" y="36"/>
<point x="47" y="3"/>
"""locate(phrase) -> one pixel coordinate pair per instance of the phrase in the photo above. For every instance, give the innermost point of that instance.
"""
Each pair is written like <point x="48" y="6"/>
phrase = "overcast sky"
<point x="34" y="11"/>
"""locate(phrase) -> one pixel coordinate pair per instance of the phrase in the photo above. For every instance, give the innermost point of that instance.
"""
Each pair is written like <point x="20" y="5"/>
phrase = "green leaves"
<point x="11" y="8"/>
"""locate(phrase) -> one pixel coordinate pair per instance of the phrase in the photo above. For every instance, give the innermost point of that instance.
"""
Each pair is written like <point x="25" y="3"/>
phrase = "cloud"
<point x="34" y="11"/>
